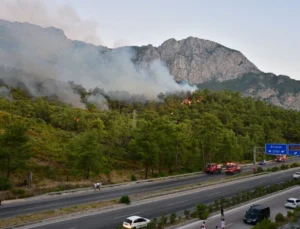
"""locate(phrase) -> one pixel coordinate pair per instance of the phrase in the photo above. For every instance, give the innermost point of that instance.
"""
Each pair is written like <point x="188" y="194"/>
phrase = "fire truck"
<point x="232" y="168"/>
<point x="280" y="158"/>
<point x="213" y="168"/>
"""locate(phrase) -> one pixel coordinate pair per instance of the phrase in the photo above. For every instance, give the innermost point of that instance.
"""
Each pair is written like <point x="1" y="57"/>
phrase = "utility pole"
<point x="254" y="154"/>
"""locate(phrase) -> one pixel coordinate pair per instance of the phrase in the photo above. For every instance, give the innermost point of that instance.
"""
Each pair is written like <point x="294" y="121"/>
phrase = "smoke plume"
<point x="64" y="17"/>
<point x="48" y="60"/>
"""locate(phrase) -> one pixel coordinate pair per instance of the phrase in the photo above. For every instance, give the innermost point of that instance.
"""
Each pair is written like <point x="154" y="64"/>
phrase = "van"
<point x="256" y="213"/>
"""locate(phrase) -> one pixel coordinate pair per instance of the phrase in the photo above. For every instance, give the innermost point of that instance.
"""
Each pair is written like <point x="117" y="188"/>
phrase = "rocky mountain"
<point x="197" y="60"/>
<point x="48" y="53"/>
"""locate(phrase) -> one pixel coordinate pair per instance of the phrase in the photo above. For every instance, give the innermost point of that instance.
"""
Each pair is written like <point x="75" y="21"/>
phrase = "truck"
<point x="281" y="158"/>
<point x="232" y="168"/>
<point x="213" y="168"/>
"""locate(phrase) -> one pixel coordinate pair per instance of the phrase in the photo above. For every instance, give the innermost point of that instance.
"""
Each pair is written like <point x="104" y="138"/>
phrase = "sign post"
<point x="294" y="149"/>
<point x="276" y="149"/>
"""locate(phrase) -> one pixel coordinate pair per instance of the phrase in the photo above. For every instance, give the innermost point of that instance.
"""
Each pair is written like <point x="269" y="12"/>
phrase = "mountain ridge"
<point x="138" y="69"/>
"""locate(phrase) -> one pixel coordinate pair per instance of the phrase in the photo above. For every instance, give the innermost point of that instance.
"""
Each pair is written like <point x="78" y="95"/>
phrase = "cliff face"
<point x="49" y="53"/>
<point x="198" y="61"/>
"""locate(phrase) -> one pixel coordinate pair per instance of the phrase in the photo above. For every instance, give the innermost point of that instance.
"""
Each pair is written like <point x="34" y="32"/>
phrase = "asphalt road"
<point x="234" y="217"/>
<point x="14" y="209"/>
<point x="109" y="220"/>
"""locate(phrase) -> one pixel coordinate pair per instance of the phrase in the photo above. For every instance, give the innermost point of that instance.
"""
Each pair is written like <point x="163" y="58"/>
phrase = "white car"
<point x="296" y="175"/>
<point x="135" y="222"/>
<point x="292" y="203"/>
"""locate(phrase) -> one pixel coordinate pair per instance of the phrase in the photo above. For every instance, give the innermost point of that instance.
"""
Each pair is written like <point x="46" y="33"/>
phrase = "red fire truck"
<point x="213" y="168"/>
<point x="232" y="168"/>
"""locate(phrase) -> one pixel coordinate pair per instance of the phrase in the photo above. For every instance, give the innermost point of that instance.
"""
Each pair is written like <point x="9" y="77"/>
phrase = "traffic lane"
<point x="105" y="194"/>
<point x="234" y="217"/>
<point x="111" y="219"/>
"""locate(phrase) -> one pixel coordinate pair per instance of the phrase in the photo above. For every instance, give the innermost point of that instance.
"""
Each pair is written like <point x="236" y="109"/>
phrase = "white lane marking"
<point x="284" y="192"/>
<point x="214" y="194"/>
<point x="228" y="224"/>
<point x="123" y="216"/>
<point x="181" y="202"/>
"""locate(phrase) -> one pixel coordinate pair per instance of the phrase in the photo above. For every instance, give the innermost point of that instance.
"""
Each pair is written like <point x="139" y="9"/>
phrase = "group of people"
<point x="97" y="186"/>
<point x="203" y="226"/>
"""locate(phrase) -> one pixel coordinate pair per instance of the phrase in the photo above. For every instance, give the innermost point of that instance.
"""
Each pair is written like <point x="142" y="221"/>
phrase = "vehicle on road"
<point x="281" y="158"/>
<point x="263" y="162"/>
<point x="213" y="168"/>
<point x="292" y="203"/>
<point x="296" y="175"/>
<point x="257" y="213"/>
<point x="232" y="168"/>
<point x="135" y="222"/>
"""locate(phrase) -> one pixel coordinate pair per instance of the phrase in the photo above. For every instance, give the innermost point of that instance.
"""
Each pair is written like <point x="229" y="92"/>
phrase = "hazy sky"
<point x="267" y="32"/>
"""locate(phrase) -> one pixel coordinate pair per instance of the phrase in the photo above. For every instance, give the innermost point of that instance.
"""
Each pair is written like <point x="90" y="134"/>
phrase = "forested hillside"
<point x="61" y="143"/>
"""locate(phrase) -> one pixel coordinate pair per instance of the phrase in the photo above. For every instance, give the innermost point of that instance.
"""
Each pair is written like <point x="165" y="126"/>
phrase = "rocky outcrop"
<point x="47" y="52"/>
<point x="197" y="61"/>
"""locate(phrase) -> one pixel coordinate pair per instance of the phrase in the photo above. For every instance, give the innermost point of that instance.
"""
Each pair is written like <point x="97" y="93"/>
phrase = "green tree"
<point x="86" y="150"/>
<point x="15" y="150"/>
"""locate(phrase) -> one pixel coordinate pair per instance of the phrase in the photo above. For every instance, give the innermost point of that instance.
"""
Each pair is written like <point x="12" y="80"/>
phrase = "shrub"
<point x="172" y="218"/>
<point x="201" y="211"/>
<point x="133" y="178"/>
<point x="152" y="224"/>
<point x="274" y="169"/>
<point x="265" y="224"/>
<point x="164" y="219"/>
<point x="279" y="218"/>
<point x="18" y="191"/>
<point x="125" y="200"/>
<point x="187" y="214"/>
<point x="5" y="184"/>
<point x="259" y="170"/>
<point x="294" y="165"/>
<point x="284" y="167"/>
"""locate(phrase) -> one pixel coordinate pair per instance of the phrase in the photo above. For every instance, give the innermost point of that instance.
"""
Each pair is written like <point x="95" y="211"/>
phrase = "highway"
<point x="38" y="205"/>
<point x="234" y="217"/>
<point x="109" y="220"/>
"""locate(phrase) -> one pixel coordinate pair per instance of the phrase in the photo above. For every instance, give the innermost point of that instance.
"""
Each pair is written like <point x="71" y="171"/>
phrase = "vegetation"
<point x="125" y="200"/>
<point x="60" y="143"/>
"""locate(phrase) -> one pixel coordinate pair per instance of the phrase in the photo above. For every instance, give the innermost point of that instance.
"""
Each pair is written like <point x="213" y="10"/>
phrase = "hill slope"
<point x="47" y="53"/>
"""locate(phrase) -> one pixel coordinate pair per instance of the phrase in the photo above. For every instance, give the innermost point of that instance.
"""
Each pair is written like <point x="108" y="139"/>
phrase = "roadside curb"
<point x="143" y="201"/>
<point x="178" y="226"/>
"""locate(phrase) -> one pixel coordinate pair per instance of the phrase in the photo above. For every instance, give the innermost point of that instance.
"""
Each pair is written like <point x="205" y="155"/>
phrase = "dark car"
<point x="256" y="213"/>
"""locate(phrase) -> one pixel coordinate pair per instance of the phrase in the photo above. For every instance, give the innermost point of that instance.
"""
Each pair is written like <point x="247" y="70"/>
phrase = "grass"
<point x="35" y="217"/>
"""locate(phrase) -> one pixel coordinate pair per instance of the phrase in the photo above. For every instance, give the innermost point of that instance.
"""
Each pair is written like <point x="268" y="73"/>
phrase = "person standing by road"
<point x="203" y="226"/>
<point x="223" y="224"/>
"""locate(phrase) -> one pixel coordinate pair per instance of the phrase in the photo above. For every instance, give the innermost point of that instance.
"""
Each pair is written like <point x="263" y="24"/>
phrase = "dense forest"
<point x="180" y="134"/>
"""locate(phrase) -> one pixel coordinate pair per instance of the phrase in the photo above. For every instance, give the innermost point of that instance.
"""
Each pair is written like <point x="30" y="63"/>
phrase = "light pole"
<point x="254" y="154"/>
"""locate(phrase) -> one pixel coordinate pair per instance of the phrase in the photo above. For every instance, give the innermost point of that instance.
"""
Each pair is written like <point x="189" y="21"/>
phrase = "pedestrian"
<point x="222" y="212"/>
<point x="203" y="225"/>
<point x="100" y="184"/>
<point x="95" y="186"/>
<point x="223" y="224"/>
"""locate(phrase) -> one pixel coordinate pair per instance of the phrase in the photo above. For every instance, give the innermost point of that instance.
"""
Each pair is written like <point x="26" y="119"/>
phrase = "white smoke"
<point x="52" y="58"/>
<point x="5" y="93"/>
<point x="64" y="17"/>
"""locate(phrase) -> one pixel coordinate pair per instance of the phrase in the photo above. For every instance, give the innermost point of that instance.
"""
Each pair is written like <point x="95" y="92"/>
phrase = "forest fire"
<point x="189" y="102"/>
